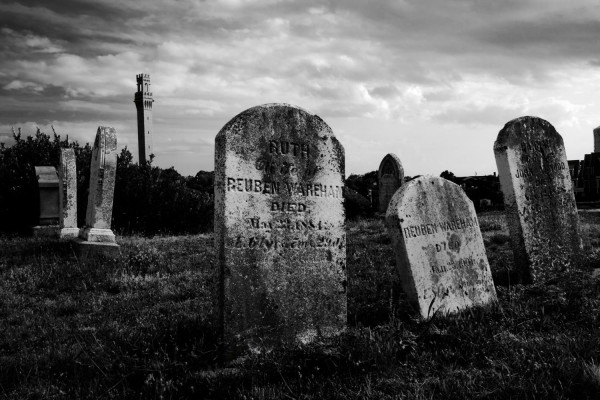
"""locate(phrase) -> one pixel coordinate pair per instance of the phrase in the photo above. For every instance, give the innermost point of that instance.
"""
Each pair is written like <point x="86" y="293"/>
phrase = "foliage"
<point x="19" y="199"/>
<point x="448" y="176"/>
<point x="148" y="199"/>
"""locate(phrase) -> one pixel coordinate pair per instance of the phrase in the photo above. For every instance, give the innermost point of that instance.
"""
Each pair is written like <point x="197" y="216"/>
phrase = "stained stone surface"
<point x="439" y="249"/>
<point x="48" y="191"/>
<point x="538" y="198"/>
<point x="67" y="184"/>
<point x="280" y="227"/>
<point x="391" y="177"/>
<point x="103" y="170"/>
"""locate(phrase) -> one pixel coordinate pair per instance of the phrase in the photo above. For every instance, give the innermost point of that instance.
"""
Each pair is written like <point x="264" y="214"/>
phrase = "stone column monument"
<point x="67" y="192"/>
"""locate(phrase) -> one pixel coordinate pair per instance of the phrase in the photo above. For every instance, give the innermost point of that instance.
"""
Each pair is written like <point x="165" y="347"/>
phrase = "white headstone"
<point x="538" y="198"/>
<point x="67" y="190"/>
<point x="280" y="226"/>
<point x="102" y="187"/>
<point x="439" y="249"/>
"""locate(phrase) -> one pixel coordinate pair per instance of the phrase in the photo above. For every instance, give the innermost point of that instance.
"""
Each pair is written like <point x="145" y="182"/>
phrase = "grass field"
<point x="141" y="326"/>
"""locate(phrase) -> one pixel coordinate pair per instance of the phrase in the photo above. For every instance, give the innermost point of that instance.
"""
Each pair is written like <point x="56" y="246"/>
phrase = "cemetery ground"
<point x="141" y="326"/>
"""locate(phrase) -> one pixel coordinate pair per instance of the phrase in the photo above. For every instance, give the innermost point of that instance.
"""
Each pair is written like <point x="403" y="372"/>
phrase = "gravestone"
<point x="538" y="198"/>
<point x="97" y="237"/>
<point x="48" y="197"/>
<point x="67" y="182"/>
<point x="439" y="249"/>
<point x="279" y="227"/>
<point x="390" y="177"/>
<point x="48" y="191"/>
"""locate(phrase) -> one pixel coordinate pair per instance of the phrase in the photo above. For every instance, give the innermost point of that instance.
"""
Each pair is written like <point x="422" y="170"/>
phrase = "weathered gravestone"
<point x="390" y="177"/>
<point x="48" y="196"/>
<point x="538" y="198"/>
<point x="439" y="249"/>
<point x="48" y="191"/>
<point x="279" y="227"/>
<point x="97" y="236"/>
<point x="67" y="185"/>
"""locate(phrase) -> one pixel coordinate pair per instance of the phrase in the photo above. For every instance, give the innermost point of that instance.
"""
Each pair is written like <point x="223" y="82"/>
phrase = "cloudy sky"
<point x="431" y="81"/>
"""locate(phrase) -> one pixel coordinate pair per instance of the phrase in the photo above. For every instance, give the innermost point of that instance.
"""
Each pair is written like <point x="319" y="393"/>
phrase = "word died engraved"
<point x="288" y="207"/>
<point x="451" y="245"/>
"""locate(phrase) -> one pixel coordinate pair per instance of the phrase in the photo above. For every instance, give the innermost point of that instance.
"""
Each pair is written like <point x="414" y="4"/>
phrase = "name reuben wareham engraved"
<point x="277" y="183"/>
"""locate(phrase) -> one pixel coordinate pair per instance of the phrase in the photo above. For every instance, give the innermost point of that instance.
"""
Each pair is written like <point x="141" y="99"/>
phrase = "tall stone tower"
<point x="143" y="102"/>
<point x="597" y="140"/>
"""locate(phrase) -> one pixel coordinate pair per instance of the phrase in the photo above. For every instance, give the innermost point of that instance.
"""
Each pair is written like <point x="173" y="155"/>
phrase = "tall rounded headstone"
<point x="103" y="171"/>
<point x="390" y="177"/>
<point x="279" y="227"/>
<point x="538" y="198"/>
<point x="439" y="249"/>
<point x="67" y="190"/>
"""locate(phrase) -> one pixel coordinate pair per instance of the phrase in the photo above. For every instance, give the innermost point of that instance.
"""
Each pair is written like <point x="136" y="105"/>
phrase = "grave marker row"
<point x="280" y="233"/>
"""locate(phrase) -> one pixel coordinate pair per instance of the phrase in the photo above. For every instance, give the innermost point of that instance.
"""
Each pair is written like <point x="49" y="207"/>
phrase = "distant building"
<point x="143" y="102"/>
<point x="585" y="174"/>
<point x="483" y="190"/>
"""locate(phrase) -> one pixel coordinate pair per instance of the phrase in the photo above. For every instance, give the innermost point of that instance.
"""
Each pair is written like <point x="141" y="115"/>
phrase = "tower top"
<point x="143" y="76"/>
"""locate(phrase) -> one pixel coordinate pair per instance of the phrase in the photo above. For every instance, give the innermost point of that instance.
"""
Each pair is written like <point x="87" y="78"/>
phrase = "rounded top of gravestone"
<point x="255" y="127"/>
<point x="526" y="129"/>
<point x="391" y="165"/>
<point x="428" y="195"/>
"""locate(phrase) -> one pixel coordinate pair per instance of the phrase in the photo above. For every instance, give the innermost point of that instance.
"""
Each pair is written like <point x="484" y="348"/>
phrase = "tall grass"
<point x="141" y="325"/>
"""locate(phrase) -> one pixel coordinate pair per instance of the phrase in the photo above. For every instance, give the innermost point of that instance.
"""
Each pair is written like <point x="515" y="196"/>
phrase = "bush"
<point x="148" y="200"/>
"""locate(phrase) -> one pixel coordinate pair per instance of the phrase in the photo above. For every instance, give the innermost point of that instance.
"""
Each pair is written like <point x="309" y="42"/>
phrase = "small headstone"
<point x="48" y="197"/>
<point x="67" y="182"/>
<point x="103" y="170"/>
<point x="48" y="190"/>
<point x="391" y="177"/>
<point x="538" y="198"/>
<point x="439" y="249"/>
<point x="280" y="227"/>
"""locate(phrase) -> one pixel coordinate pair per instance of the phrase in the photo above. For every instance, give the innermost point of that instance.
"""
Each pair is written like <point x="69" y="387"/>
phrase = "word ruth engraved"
<point x="439" y="249"/>
<point x="279" y="227"/>
<point x="538" y="198"/>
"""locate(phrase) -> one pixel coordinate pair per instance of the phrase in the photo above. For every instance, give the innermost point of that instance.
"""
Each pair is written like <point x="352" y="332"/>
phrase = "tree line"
<point x="148" y="200"/>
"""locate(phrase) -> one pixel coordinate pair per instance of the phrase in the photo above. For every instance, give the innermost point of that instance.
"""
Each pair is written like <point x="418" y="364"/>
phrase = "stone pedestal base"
<point x="97" y="235"/>
<point x="85" y="249"/>
<point x="46" y="230"/>
<point x="68" y="233"/>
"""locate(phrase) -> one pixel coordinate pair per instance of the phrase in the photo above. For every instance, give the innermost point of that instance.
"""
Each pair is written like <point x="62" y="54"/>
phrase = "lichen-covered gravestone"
<point x="67" y="191"/>
<point x="391" y="177"/>
<point x="538" y="198"/>
<point x="103" y="171"/>
<point x="279" y="227"/>
<point x="439" y="249"/>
